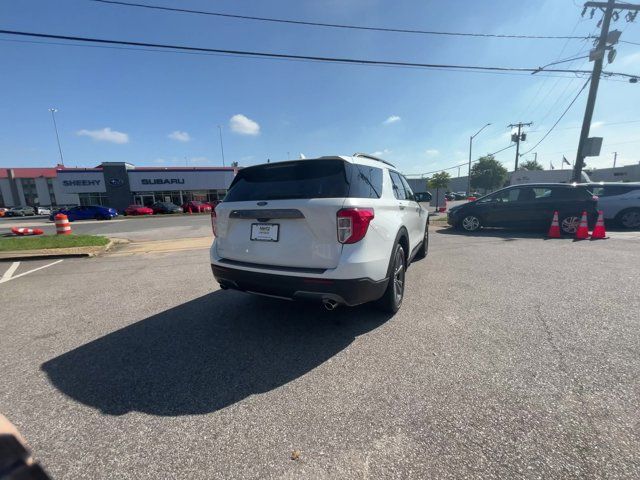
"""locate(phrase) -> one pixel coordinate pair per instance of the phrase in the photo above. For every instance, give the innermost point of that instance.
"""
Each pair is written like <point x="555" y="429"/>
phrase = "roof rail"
<point x="371" y="157"/>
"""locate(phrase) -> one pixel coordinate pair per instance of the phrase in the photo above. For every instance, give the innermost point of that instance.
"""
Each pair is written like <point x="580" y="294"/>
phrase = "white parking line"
<point x="12" y="268"/>
<point x="10" y="271"/>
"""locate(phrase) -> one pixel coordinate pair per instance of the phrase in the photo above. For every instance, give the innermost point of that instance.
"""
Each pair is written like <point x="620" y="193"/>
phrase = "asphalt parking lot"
<point x="512" y="357"/>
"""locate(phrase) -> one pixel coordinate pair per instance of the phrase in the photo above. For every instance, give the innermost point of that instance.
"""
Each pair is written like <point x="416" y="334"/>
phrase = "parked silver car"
<point x="619" y="202"/>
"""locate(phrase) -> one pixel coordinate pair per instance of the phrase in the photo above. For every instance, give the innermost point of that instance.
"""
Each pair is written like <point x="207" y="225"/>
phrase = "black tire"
<point x="391" y="300"/>
<point x="629" y="218"/>
<point x="470" y="223"/>
<point x="424" y="248"/>
<point x="569" y="224"/>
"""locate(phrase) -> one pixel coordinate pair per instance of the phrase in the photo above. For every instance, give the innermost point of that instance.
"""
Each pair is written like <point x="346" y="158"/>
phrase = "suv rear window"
<point x="305" y="179"/>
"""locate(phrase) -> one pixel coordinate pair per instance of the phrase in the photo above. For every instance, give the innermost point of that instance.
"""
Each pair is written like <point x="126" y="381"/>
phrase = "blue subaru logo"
<point x="116" y="182"/>
<point x="262" y="204"/>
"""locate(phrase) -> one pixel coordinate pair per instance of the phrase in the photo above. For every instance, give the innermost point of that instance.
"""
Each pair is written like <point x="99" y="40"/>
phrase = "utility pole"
<point x="535" y="157"/>
<point x="55" y="126"/>
<point x="609" y="8"/>
<point x="615" y="157"/>
<point x="519" y="137"/>
<point x="221" y="146"/>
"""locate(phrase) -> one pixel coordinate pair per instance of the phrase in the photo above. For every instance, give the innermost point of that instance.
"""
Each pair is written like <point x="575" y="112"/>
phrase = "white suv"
<point x="619" y="202"/>
<point x="341" y="230"/>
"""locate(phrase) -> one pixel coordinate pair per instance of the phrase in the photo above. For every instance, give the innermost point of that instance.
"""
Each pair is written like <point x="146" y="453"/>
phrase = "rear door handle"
<point x="401" y="207"/>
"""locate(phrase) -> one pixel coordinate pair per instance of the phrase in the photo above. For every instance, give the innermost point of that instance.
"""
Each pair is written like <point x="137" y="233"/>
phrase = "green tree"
<point x="531" y="165"/>
<point x="488" y="173"/>
<point x="438" y="181"/>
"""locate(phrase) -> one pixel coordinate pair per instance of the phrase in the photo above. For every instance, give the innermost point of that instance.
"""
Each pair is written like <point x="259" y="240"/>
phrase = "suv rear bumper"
<point x="347" y="292"/>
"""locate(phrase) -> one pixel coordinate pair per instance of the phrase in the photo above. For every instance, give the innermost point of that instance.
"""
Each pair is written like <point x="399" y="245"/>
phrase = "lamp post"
<point x="221" y="146"/>
<point x="55" y="127"/>
<point x="470" y="145"/>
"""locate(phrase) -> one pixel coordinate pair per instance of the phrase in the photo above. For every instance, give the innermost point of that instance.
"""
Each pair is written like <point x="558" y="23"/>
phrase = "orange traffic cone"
<point x="554" y="229"/>
<point x="583" y="229"/>
<point x="599" y="231"/>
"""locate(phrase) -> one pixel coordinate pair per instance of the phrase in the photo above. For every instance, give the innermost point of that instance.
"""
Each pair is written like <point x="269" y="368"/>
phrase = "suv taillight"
<point x="214" y="221"/>
<point x="353" y="224"/>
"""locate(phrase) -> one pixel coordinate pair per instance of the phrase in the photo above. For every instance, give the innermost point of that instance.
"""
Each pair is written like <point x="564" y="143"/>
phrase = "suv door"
<point x="420" y="218"/>
<point x="500" y="208"/>
<point x="572" y="201"/>
<point x="406" y="209"/>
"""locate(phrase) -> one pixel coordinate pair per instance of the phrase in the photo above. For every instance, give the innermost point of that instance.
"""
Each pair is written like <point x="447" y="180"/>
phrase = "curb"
<point x="56" y="253"/>
<point x="45" y="256"/>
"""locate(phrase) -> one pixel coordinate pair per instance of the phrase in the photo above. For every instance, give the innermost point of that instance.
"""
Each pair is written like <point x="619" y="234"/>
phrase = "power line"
<point x="628" y="42"/>
<point x="337" y="25"/>
<point x="456" y="166"/>
<point x="247" y="53"/>
<point x="560" y="118"/>
<point x="214" y="54"/>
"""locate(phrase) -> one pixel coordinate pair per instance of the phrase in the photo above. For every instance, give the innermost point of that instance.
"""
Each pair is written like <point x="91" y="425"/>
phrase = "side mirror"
<point x="427" y="197"/>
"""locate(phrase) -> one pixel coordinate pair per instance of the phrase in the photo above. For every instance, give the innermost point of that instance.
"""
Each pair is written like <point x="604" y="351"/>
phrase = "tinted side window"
<point x="542" y="193"/>
<point x="407" y="189"/>
<point x="508" y="196"/>
<point x="611" y="190"/>
<point x="569" y="193"/>
<point x="398" y="188"/>
<point x="366" y="181"/>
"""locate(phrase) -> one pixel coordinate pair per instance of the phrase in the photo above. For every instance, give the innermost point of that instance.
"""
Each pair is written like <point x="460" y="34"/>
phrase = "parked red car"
<point x="138" y="210"/>
<point x="213" y="203"/>
<point x="196" y="207"/>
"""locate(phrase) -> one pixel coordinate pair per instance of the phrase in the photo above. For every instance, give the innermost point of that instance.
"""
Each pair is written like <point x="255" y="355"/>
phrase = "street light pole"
<point x="470" y="146"/>
<point x="221" y="145"/>
<point x="55" y="127"/>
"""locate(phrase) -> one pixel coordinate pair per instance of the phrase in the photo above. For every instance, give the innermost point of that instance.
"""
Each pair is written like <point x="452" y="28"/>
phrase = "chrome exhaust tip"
<point x="329" y="304"/>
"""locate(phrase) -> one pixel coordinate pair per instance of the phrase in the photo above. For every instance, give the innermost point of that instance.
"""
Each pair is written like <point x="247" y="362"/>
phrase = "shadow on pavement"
<point x="506" y="234"/>
<point x="206" y="354"/>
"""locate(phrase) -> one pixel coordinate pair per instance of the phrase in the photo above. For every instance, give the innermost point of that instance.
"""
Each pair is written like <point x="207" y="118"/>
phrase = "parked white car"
<point x="619" y="202"/>
<point x="341" y="230"/>
<point x="42" y="211"/>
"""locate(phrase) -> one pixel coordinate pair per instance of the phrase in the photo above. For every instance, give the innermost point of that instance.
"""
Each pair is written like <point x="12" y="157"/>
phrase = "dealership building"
<point x="113" y="184"/>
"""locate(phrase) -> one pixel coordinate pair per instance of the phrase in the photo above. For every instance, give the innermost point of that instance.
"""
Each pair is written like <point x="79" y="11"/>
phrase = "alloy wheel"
<point x="570" y="224"/>
<point x="470" y="223"/>
<point x="631" y="219"/>
<point x="398" y="276"/>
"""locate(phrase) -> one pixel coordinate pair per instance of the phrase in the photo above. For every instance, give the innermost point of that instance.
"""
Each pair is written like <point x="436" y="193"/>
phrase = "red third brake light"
<point x="214" y="220"/>
<point x="353" y="224"/>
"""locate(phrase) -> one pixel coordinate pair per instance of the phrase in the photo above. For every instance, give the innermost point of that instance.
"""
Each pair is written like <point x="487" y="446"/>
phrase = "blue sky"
<point x="152" y="108"/>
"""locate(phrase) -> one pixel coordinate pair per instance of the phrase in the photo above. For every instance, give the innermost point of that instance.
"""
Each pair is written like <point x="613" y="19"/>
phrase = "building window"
<point x="2" y="204"/>
<point x="93" y="199"/>
<point x="52" y="194"/>
<point x="29" y="191"/>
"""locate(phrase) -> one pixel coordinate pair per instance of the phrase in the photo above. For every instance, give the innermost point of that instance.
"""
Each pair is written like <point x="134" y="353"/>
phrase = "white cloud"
<point x="159" y="160"/>
<point x="379" y="153"/>
<point x="179" y="136"/>
<point x="244" y="125"/>
<point x="432" y="152"/>
<point x="105" y="135"/>
<point x="597" y="124"/>
<point x="630" y="60"/>
<point x="392" y="119"/>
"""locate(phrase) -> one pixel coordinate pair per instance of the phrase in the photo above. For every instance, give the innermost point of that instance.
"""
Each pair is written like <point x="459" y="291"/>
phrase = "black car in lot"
<point x="166" y="207"/>
<point x="527" y="206"/>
